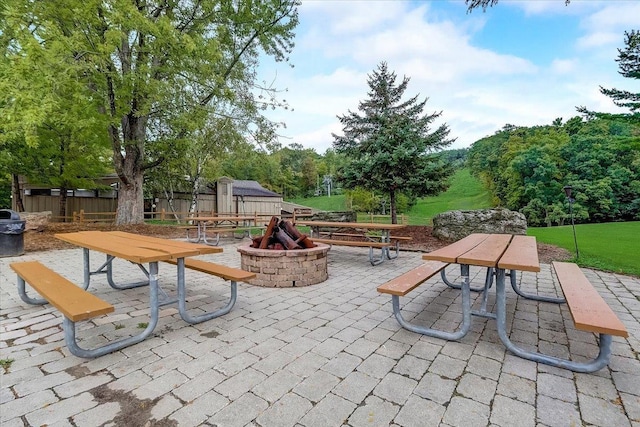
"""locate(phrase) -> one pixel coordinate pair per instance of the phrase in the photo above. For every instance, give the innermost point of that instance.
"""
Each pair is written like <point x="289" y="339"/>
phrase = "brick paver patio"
<point x="325" y="355"/>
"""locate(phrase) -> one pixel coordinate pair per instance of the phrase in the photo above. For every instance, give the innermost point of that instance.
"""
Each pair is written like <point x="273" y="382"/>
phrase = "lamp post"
<point x="567" y="190"/>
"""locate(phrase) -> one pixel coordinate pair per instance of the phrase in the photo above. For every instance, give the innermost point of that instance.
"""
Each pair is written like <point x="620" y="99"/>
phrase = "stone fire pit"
<point x="285" y="268"/>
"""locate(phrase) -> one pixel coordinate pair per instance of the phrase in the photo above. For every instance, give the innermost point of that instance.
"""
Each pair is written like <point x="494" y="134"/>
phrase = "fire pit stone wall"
<point x="285" y="268"/>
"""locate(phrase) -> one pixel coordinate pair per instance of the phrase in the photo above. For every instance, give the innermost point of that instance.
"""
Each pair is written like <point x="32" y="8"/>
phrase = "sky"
<point x="523" y="63"/>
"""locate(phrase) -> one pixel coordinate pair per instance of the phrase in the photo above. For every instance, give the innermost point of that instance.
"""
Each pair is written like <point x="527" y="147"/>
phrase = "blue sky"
<point x="521" y="62"/>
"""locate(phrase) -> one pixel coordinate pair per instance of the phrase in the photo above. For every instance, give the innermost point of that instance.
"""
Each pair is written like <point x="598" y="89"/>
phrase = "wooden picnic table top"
<point x="134" y="247"/>
<point x="364" y="225"/>
<point x="505" y="251"/>
<point x="221" y="218"/>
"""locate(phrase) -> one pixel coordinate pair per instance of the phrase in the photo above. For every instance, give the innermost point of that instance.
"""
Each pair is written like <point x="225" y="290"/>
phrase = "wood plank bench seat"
<point x="217" y="231"/>
<point x="383" y="246"/>
<point x="410" y="280"/>
<point x="331" y="234"/>
<point x="406" y="238"/>
<point x="589" y="311"/>
<point x="222" y="271"/>
<point x="73" y="302"/>
<point x="360" y="243"/>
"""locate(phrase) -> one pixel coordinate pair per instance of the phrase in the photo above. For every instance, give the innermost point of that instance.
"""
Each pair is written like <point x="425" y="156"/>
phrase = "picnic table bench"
<point x="589" y="311"/>
<point x="234" y="275"/>
<point x="218" y="231"/>
<point x="221" y="224"/>
<point x="501" y="253"/>
<point x="384" y="241"/>
<point x="77" y="304"/>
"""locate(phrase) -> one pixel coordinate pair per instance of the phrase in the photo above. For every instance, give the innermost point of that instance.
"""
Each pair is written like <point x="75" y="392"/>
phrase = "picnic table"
<point x="361" y="237"/>
<point x="508" y="255"/>
<point x="77" y="304"/>
<point x="219" y="224"/>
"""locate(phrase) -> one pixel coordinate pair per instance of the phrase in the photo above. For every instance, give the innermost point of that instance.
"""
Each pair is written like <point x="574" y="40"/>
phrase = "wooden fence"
<point x="180" y="217"/>
<point x="166" y="217"/>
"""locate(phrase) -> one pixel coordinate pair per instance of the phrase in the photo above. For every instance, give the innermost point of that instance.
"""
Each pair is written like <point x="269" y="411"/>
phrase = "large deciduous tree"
<point x="389" y="145"/>
<point x="151" y="61"/>
<point x="51" y="131"/>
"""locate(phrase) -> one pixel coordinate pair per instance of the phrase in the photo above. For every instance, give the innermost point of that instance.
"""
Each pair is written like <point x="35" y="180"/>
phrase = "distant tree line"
<point x="526" y="169"/>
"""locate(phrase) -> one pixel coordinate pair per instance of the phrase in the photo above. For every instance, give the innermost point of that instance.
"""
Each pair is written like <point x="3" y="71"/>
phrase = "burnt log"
<point x="272" y="225"/>
<point x="302" y="239"/>
<point x="285" y="239"/>
<point x="256" y="241"/>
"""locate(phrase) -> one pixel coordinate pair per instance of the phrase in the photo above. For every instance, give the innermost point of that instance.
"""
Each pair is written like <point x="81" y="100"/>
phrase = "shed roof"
<point x="251" y="189"/>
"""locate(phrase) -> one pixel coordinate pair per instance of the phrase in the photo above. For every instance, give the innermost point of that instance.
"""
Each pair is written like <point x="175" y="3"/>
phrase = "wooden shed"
<point x="228" y="196"/>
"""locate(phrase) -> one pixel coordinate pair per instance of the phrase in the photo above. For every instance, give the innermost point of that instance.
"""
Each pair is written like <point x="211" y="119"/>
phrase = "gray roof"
<point x="251" y="188"/>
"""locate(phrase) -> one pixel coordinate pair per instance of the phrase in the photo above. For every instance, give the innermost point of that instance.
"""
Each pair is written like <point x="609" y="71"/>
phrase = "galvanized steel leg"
<point x="182" y="296"/>
<point x="106" y="268"/>
<point x="70" y="326"/>
<point x="485" y="293"/>
<point x="466" y="315"/>
<point x="205" y="240"/>
<point x="397" y="251"/>
<point x="516" y="288"/>
<point x="109" y="265"/>
<point x="197" y="239"/>
<point x="447" y="282"/>
<point x="599" y="362"/>
<point x="26" y="298"/>
<point x="373" y="260"/>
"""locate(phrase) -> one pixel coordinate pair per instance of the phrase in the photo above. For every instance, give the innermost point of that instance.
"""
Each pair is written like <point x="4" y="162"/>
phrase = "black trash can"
<point x="11" y="233"/>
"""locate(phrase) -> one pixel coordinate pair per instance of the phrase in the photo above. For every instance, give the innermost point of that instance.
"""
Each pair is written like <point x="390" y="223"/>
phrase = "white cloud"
<point x="598" y="39"/>
<point x="563" y="66"/>
<point x="615" y="16"/>
<point x="479" y="90"/>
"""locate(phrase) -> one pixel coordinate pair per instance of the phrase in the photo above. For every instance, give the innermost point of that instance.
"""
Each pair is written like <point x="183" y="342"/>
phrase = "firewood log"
<point x="272" y="224"/>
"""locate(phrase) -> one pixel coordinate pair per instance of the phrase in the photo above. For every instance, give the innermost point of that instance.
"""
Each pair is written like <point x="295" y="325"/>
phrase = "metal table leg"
<point x="182" y="296"/>
<point x="70" y="328"/>
<point x="466" y="314"/>
<point x="598" y="363"/>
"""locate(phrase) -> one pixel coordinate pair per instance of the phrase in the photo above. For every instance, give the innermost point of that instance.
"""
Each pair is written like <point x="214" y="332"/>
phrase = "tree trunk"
<point x="130" y="168"/>
<point x="168" y="194"/>
<point x="131" y="201"/>
<point x="392" y="206"/>
<point x="62" y="203"/>
<point x="17" y="194"/>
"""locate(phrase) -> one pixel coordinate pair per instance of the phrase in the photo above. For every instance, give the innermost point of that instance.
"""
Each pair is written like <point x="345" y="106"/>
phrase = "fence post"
<point x="162" y="213"/>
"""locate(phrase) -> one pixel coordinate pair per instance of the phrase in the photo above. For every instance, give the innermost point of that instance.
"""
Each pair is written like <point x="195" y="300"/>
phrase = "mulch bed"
<point x="421" y="238"/>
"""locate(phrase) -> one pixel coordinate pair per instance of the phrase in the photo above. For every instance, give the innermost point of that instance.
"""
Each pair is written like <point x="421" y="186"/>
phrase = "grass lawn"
<point x="324" y="203"/>
<point x="612" y="246"/>
<point x="465" y="193"/>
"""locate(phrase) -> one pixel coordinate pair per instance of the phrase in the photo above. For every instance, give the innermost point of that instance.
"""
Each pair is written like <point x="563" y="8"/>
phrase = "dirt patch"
<point x="133" y="411"/>
<point x="421" y="238"/>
